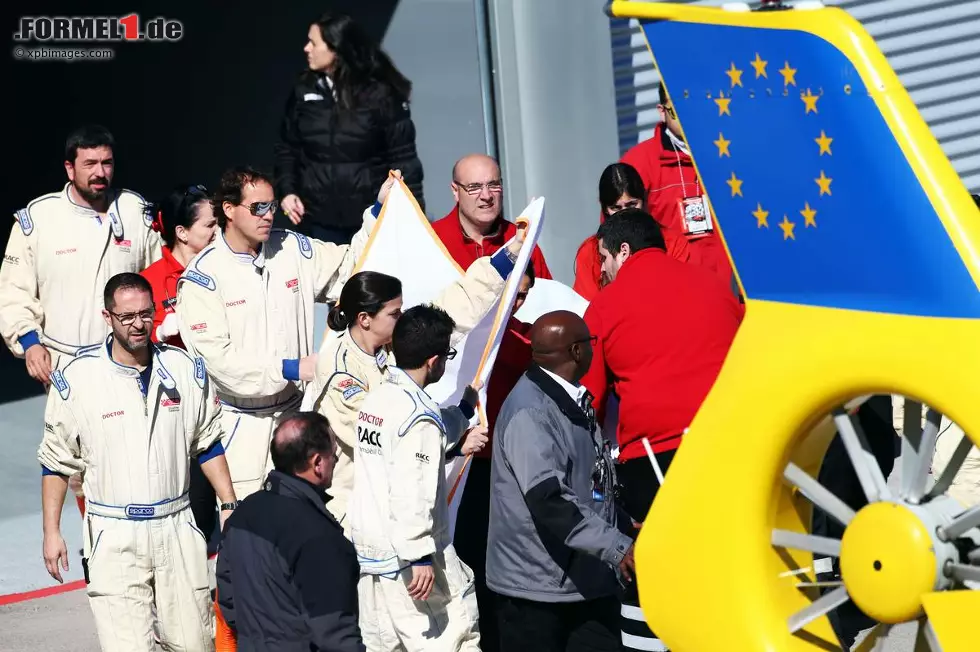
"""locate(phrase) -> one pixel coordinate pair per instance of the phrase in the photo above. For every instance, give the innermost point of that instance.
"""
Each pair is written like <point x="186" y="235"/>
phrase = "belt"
<point x="137" y="512"/>
<point x="268" y="409"/>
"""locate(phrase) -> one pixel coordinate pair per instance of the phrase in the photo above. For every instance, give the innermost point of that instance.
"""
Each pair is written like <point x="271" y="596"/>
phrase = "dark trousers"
<point x="335" y="234"/>
<point x="638" y="486"/>
<point x="837" y="474"/>
<point x="470" y="541"/>
<point x="203" y="502"/>
<point x="588" y="626"/>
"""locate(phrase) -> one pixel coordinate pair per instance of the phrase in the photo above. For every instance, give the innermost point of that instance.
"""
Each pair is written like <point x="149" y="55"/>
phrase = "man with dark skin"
<point x="553" y="505"/>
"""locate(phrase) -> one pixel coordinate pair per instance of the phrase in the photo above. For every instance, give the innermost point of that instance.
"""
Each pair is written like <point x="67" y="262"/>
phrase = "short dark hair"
<point x="976" y="199"/>
<point x="529" y="272"/>
<point x="87" y="137"/>
<point x="292" y="454"/>
<point x="231" y="187"/>
<point x="662" y="92"/>
<point x="633" y="227"/>
<point x="124" y="281"/>
<point x="176" y="209"/>
<point x="422" y="332"/>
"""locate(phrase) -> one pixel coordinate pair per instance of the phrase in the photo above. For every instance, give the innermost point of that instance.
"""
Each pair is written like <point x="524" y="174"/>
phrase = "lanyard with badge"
<point x="693" y="209"/>
<point x="600" y="469"/>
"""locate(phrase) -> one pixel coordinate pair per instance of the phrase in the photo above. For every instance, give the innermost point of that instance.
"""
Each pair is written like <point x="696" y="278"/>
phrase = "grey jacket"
<point x="553" y="530"/>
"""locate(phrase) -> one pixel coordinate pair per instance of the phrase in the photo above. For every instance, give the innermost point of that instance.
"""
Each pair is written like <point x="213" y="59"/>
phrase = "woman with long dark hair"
<point x="620" y="187"/>
<point x="347" y="123"/>
<point x="355" y="355"/>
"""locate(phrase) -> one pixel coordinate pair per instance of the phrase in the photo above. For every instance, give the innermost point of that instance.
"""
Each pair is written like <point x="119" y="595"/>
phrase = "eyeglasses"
<point x="669" y="109"/>
<point x="592" y="339"/>
<point x="262" y="208"/>
<point x="493" y="187"/>
<point x="450" y="354"/>
<point x="129" y="318"/>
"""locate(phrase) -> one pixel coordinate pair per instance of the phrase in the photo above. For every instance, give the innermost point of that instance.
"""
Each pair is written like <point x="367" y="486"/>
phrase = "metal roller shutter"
<point x="934" y="48"/>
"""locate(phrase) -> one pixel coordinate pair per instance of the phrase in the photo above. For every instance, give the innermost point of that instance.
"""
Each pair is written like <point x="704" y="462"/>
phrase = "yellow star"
<point x="824" y="182"/>
<point x="735" y="184"/>
<point x="735" y="75"/>
<point x="789" y="74"/>
<point x="761" y="216"/>
<point x="787" y="228"/>
<point x="723" y="103"/>
<point x="824" y="142"/>
<point x="810" y="100"/>
<point x="760" y="66"/>
<point x="722" y="146"/>
<point x="809" y="216"/>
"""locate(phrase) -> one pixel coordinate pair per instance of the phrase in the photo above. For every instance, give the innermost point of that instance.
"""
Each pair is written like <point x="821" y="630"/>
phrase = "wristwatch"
<point x="227" y="507"/>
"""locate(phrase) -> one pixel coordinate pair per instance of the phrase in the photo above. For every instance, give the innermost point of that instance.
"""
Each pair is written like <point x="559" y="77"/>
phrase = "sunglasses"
<point x="262" y="208"/>
<point x="450" y="354"/>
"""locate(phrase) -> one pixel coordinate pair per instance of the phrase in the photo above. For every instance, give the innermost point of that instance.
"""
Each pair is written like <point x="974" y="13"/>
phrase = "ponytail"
<point x="338" y="320"/>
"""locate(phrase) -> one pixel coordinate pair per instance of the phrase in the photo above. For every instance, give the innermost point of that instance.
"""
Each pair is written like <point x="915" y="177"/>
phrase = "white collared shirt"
<point x="575" y="391"/>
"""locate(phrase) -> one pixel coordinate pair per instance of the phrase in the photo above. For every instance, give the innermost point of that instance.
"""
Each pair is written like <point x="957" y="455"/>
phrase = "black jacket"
<point x="287" y="577"/>
<point x="336" y="161"/>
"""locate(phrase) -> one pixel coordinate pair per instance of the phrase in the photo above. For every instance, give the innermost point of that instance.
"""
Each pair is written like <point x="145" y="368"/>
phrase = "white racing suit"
<point x="251" y="319"/>
<point x="399" y="515"/>
<point x="59" y="257"/>
<point x="345" y="373"/>
<point x="142" y="546"/>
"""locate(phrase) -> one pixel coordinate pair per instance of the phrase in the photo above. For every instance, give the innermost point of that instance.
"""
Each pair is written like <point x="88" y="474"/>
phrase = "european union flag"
<point x="816" y="200"/>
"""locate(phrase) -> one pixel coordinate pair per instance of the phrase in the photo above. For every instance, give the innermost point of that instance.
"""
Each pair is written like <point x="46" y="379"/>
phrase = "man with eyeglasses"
<point x="414" y="593"/>
<point x="62" y="250"/>
<point x="131" y="415"/>
<point x="659" y="354"/>
<point x="245" y="304"/>
<point x="676" y="198"/>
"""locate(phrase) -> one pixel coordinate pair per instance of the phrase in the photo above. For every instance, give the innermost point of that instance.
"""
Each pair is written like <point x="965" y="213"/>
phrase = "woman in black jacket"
<point x="347" y="123"/>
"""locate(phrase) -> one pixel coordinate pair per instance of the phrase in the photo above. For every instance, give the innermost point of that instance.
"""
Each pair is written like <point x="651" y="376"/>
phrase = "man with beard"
<point x="132" y="414"/>
<point x="246" y="306"/>
<point x="62" y="250"/>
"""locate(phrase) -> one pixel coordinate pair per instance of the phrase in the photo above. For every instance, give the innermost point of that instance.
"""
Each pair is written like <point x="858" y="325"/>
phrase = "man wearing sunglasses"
<point x="676" y="198"/>
<point x="245" y="304"/>
<point x="415" y="594"/>
<point x="131" y="415"/>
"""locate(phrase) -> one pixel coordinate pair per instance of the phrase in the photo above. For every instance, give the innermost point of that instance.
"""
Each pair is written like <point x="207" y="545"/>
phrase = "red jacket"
<point x="588" y="268"/>
<point x="513" y="359"/>
<point x="664" y="329"/>
<point x="465" y="250"/>
<point x="669" y="178"/>
<point x="163" y="276"/>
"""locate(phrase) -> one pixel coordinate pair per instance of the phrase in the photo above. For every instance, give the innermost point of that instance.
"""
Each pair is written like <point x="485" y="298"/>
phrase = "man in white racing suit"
<point x="63" y="249"/>
<point x="131" y="414"/>
<point x="345" y="371"/>
<point x="245" y="304"/>
<point x="414" y="592"/>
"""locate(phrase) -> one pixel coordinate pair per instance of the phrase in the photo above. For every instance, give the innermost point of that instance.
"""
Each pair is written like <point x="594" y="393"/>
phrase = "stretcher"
<point x="858" y="251"/>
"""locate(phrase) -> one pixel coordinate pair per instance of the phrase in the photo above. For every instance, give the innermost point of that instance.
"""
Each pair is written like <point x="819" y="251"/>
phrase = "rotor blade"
<point x="917" y="452"/>
<point x="964" y="573"/>
<point x="946" y="478"/>
<point x="818" y="608"/>
<point x="809" y="542"/>
<point x="965" y="521"/>
<point x="865" y="465"/>
<point x="818" y="494"/>
<point x="925" y="639"/>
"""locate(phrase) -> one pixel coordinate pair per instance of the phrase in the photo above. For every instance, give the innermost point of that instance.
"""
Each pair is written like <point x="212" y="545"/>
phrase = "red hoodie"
<point x="664" y="329"/>
<point x="513" y="359"/>
<point x="163" y="275"/>
<point x="670" y="179"/>
<point x="588" y="267"/>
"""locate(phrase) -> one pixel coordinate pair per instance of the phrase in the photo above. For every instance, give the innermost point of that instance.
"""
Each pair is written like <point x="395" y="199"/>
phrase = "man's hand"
<point x="627" y="567"/>
<point x="423" y="577"/>
<point x="474" y="440"/>
<point x="307" y="368"/>
<point x="55" y="555"/>
<point x="168" y="327"/>
<point x="293" y="207"/>
<point x="471" y="394"/>
<point x="39" y="363"/>
<point x="388" y="185"/>
<point x="515" y="245"/>
<point x="223" y="516"/>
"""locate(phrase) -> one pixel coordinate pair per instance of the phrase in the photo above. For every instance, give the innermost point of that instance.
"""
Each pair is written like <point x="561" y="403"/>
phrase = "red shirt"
<point x="513" y="359"/>
<point x="465" y="250"/>
<point x="664" y="329"/>
<point x="163" y="276"/>
<point x="669" y="177"/>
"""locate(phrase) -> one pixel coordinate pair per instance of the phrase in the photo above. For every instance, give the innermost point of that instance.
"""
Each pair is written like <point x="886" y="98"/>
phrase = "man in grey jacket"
<point x="554" y="546"/>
